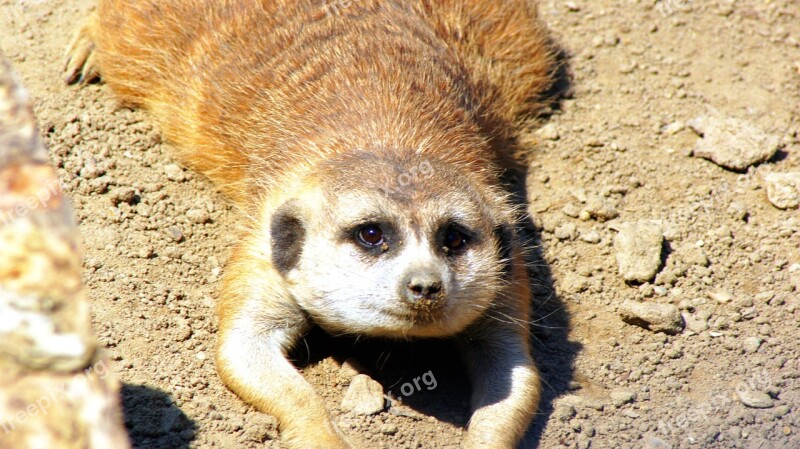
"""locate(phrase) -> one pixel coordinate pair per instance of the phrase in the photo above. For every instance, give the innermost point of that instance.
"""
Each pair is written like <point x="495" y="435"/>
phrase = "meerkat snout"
<point x="422" y="289"/>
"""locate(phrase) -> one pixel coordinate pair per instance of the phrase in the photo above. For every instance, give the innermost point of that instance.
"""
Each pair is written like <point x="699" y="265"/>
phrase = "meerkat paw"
<point x="80" y="65"/>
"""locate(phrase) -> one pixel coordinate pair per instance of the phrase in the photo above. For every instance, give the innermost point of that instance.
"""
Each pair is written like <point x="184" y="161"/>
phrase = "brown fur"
<point x="258" y="95"/>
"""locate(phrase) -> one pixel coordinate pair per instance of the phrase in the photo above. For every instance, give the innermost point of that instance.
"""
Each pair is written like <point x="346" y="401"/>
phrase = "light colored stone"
<point x="638" y="246"/>
<point x="695" y="323"/>
<point x="732" y="143"/>
<point x="622" y="397"/>
<point x="591" y="236"/>
<point x="567" y="231"/>
<point x="122" y="195"/>
<point x="653" y="316"/>
<point x="674" y="128"/>
<point x="600" y="208"/>
<point x="783" y="189"/>
<point x="364" y="396"/>
<point x="548" y="132"/>
<point x="721" y="296"/>
<point x="174" y="173"/>
<point x="755" y="399"/>
<point x="751" y="344"/>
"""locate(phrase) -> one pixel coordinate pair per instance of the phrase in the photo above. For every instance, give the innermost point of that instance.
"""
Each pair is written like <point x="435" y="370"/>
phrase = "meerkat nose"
<point x="423" y="287"/>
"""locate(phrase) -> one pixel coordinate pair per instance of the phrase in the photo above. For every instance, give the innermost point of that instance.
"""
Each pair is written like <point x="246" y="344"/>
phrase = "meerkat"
<point x="364" y="142"/>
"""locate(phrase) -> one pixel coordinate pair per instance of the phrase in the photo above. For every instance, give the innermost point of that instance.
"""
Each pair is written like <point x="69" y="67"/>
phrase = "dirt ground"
<point x="156" y="238"/>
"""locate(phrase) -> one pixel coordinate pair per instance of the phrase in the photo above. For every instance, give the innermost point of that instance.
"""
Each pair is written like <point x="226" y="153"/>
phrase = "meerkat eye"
<point x="453" y="239"/>
<point x="370" y="235"/>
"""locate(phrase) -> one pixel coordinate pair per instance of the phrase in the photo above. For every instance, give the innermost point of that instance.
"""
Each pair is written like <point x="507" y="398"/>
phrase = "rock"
<point x="655" y="317"/>
<point x="781" y="411"/>
<point x="651" y="442"/>
<point x="364" y="396"/>
<point x="389" y="429"/>
<point x="122" y="195"/>
<point x="693" y="255"/>
<point x="99" y="185"/>
<point x="751" y="344"/>
<point x="567" y="231"/>
<point x="755" y="399"/>
<point x="738" y="211"/>
<point x="732" y="143"/>
<point x="548" y="132"/>
<point x="622" y="397"/>
<point x="783" y="189"/>
<point x="591" y="236"/>
<point x="174" y="173"/>
<point x="721" y="296"/>
<point x="175" y="233"/>
<point x="199" y="216"/>
<point x="600" y="208"/>
<point x="638" y="246"/>
<point x="674" y="128"/>
<point x="695" y="324"/>
<point x="564" y="412"/>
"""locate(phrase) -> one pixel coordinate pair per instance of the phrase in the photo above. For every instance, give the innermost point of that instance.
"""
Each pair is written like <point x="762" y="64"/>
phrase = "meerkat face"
<point x="398" y="248"/>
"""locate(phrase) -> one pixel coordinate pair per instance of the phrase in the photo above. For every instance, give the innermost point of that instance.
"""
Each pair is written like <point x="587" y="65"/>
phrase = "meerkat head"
<point x="392" y="246"/>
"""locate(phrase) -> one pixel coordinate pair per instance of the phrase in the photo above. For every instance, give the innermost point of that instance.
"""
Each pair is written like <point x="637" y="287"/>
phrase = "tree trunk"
<point x="56" y="388"/>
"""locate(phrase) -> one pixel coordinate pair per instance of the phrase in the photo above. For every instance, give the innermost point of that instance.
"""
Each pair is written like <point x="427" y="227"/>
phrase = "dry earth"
<point x="617" y="149"/>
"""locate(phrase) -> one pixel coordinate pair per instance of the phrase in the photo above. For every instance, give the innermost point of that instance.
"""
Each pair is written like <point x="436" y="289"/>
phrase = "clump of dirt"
<point x="617" y="150"/>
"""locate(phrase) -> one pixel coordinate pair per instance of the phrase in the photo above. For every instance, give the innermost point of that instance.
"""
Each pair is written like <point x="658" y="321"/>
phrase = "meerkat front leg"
<point x="258" y="326"/>
<point x="505" y="382"/>
<point x="505" y="388"/>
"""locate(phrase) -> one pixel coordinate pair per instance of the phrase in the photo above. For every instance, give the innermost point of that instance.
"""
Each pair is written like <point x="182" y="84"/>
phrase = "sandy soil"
<point x="156" y="238"/>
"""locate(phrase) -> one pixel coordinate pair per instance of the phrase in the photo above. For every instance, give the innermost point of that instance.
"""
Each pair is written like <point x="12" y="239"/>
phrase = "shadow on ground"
<point x="154" y="421"/>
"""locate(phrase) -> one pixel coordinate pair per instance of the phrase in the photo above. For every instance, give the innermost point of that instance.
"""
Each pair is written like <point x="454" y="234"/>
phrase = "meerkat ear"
<point x="287" y="237"/>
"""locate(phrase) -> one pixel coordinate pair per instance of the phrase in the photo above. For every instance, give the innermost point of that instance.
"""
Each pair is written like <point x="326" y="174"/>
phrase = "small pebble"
<point x="674" y="128"/>
<point x="781" y="411"/>
<point x="755" y="399"/>
<point x="695" y="323"/>
<point x="751" y="344"/>
<point x="364" y="396"/>
<point x="174" y="173"/>
<point x="567" y="231"/>
<point x="655" y="317"/>
<point x="122" y="195"/>
<point x="622" y="397"/>
<point x="548" y="132"/>
<point x="175" y="233"/>
<point x="389" y="429"/>
<point x="638" y="247"/>
<point x="721" y="296"/>
<point x="591" y="236"/>
<point x="198" y="216"/>
<point x="783" y="189"/>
